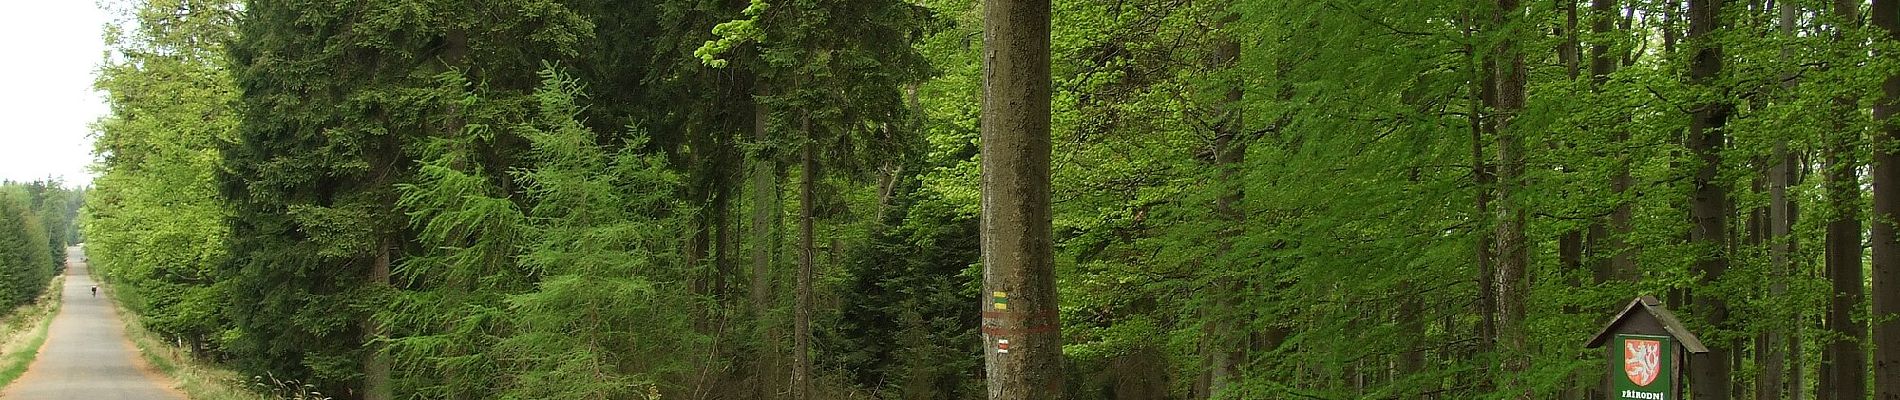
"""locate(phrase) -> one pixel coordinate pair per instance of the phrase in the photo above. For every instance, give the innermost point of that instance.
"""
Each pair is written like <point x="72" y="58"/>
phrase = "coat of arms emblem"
<point x="1642" y="360"/>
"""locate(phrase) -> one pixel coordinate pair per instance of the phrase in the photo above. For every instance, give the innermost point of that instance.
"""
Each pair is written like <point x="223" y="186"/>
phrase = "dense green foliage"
<point x="23" y="237"/>
<point x="1253" y="198"/>
<point x="155" y="225"/>
<point x="34" y="217"/>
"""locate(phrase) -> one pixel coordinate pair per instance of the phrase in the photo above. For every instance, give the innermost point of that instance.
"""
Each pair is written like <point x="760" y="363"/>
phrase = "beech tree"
<point x="1022" y="339"/>
<point x="1710" y="201"/>
<point x="1885" y="234"/>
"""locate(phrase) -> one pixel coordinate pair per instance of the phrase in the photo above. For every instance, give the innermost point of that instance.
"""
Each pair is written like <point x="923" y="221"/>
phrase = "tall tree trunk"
<point x="1710" y="379"/>
<point x="1771" y="386"/>
<point x="1411" y="316"/>
<point x="764" y="210"/>
<point x="1623" y="261"/>
<point x="801" y="324"/>
<point x="1572" y="246"/>
<point x="1570" y="47"/>
<point x="1019" y="295"/>
<point x="764" y="203"/>
<point x="1226" y="346"/>
<point x="1614" y="262"/>
<point x="1512" y="284"/>
<point x="1671" y="35"/>
<point x="1621" y="265"/>
<point x="699" y="245"/>
<point x="1845" y="363"/>
<point x="1752" y="233"/>
<point x="1886" y="220"/>
<point x="1671" y="26"/>
<point x="719" y="221"/>
<point x="376" y="377"/>
<point x="1484" y="93"/>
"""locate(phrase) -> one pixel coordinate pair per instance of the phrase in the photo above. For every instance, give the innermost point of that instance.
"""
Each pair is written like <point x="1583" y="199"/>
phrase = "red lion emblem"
<point x="1642" y="360"/>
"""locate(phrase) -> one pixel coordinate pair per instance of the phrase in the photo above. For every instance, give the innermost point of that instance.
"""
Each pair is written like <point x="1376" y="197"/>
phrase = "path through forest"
<point x="87" y="355"/>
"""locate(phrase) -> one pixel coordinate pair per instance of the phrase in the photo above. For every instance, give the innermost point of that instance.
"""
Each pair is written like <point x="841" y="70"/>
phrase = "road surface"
<point x="86" y="355"/>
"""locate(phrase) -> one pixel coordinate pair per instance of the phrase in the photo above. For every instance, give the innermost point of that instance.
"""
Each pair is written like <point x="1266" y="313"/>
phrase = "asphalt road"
<point x="87" y="355"/>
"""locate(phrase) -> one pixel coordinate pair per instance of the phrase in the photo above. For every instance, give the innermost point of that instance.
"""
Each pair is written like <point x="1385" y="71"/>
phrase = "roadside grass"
<point x="198" y="379"/>
<point x="24" y="330"/>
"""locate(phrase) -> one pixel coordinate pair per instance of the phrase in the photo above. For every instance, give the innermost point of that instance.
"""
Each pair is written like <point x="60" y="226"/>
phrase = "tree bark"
<point x="801" y="324"/>
<point x="1771" y="385"/>
<point x="1671" y="26"/>
<point x="1227" y="344"/>
<point x="1484" y="91"/>
<point x="764" y="209"/>
<point x="719" y="230"/>
<point x="1709" y="207"/>
<point x="764" y="203"/>
<point x="1845" y="364"/>
<point x="376" y="376"/>
<point x="1622" y="262"/>
<point x="1572" y="245"/>
<point x="1570" y="48"/>
<point x="1671" y="34"/>
<point x="1614" y="260"/>
<point x="725" y="233"/>
<point x="699" y="245"/>
<point x="1512" y="283"/>
<point x="1886" y="220"/>
<point x="1019" y="305"/>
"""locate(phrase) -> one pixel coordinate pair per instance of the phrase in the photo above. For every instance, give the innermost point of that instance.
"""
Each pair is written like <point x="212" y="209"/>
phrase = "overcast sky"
<point x="48" y="51"/>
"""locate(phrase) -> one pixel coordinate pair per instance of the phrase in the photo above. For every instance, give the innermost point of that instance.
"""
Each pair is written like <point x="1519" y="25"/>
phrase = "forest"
<point x="869" y="199"/>
<point x="36" y="226"/>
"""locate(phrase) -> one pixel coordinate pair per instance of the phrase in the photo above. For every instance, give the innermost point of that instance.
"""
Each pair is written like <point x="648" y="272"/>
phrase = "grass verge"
<point x="24" y="330"/>
<point x="199" y="380"/>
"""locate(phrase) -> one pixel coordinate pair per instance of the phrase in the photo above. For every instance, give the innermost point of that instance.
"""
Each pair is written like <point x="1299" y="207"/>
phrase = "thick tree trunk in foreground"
<point x="1886" y="247"/>
<point x="1709" y="207"/>
<point x="1844" y="366"/>
<point x="1021" y="332"/>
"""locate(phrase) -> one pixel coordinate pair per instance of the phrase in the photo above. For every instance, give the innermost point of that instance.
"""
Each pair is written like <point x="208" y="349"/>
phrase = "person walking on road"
<point x="95" y="290"/>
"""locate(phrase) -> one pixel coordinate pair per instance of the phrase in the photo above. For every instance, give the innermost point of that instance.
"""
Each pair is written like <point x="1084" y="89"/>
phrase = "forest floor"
<point x="87" y="354"/>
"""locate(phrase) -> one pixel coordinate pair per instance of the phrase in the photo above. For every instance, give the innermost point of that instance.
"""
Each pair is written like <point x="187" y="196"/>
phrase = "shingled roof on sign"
<point x="1652" y="307"/>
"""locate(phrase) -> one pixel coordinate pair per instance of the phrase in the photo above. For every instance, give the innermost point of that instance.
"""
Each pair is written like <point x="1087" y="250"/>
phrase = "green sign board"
<point x="1649" y="368"/>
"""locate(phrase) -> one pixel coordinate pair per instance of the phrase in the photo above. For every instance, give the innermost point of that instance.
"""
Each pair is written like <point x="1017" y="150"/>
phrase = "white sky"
<point x="48" y="52"/>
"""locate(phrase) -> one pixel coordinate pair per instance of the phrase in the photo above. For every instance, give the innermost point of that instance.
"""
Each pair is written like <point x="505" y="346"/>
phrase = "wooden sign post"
<point x="1647" y="349"/>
